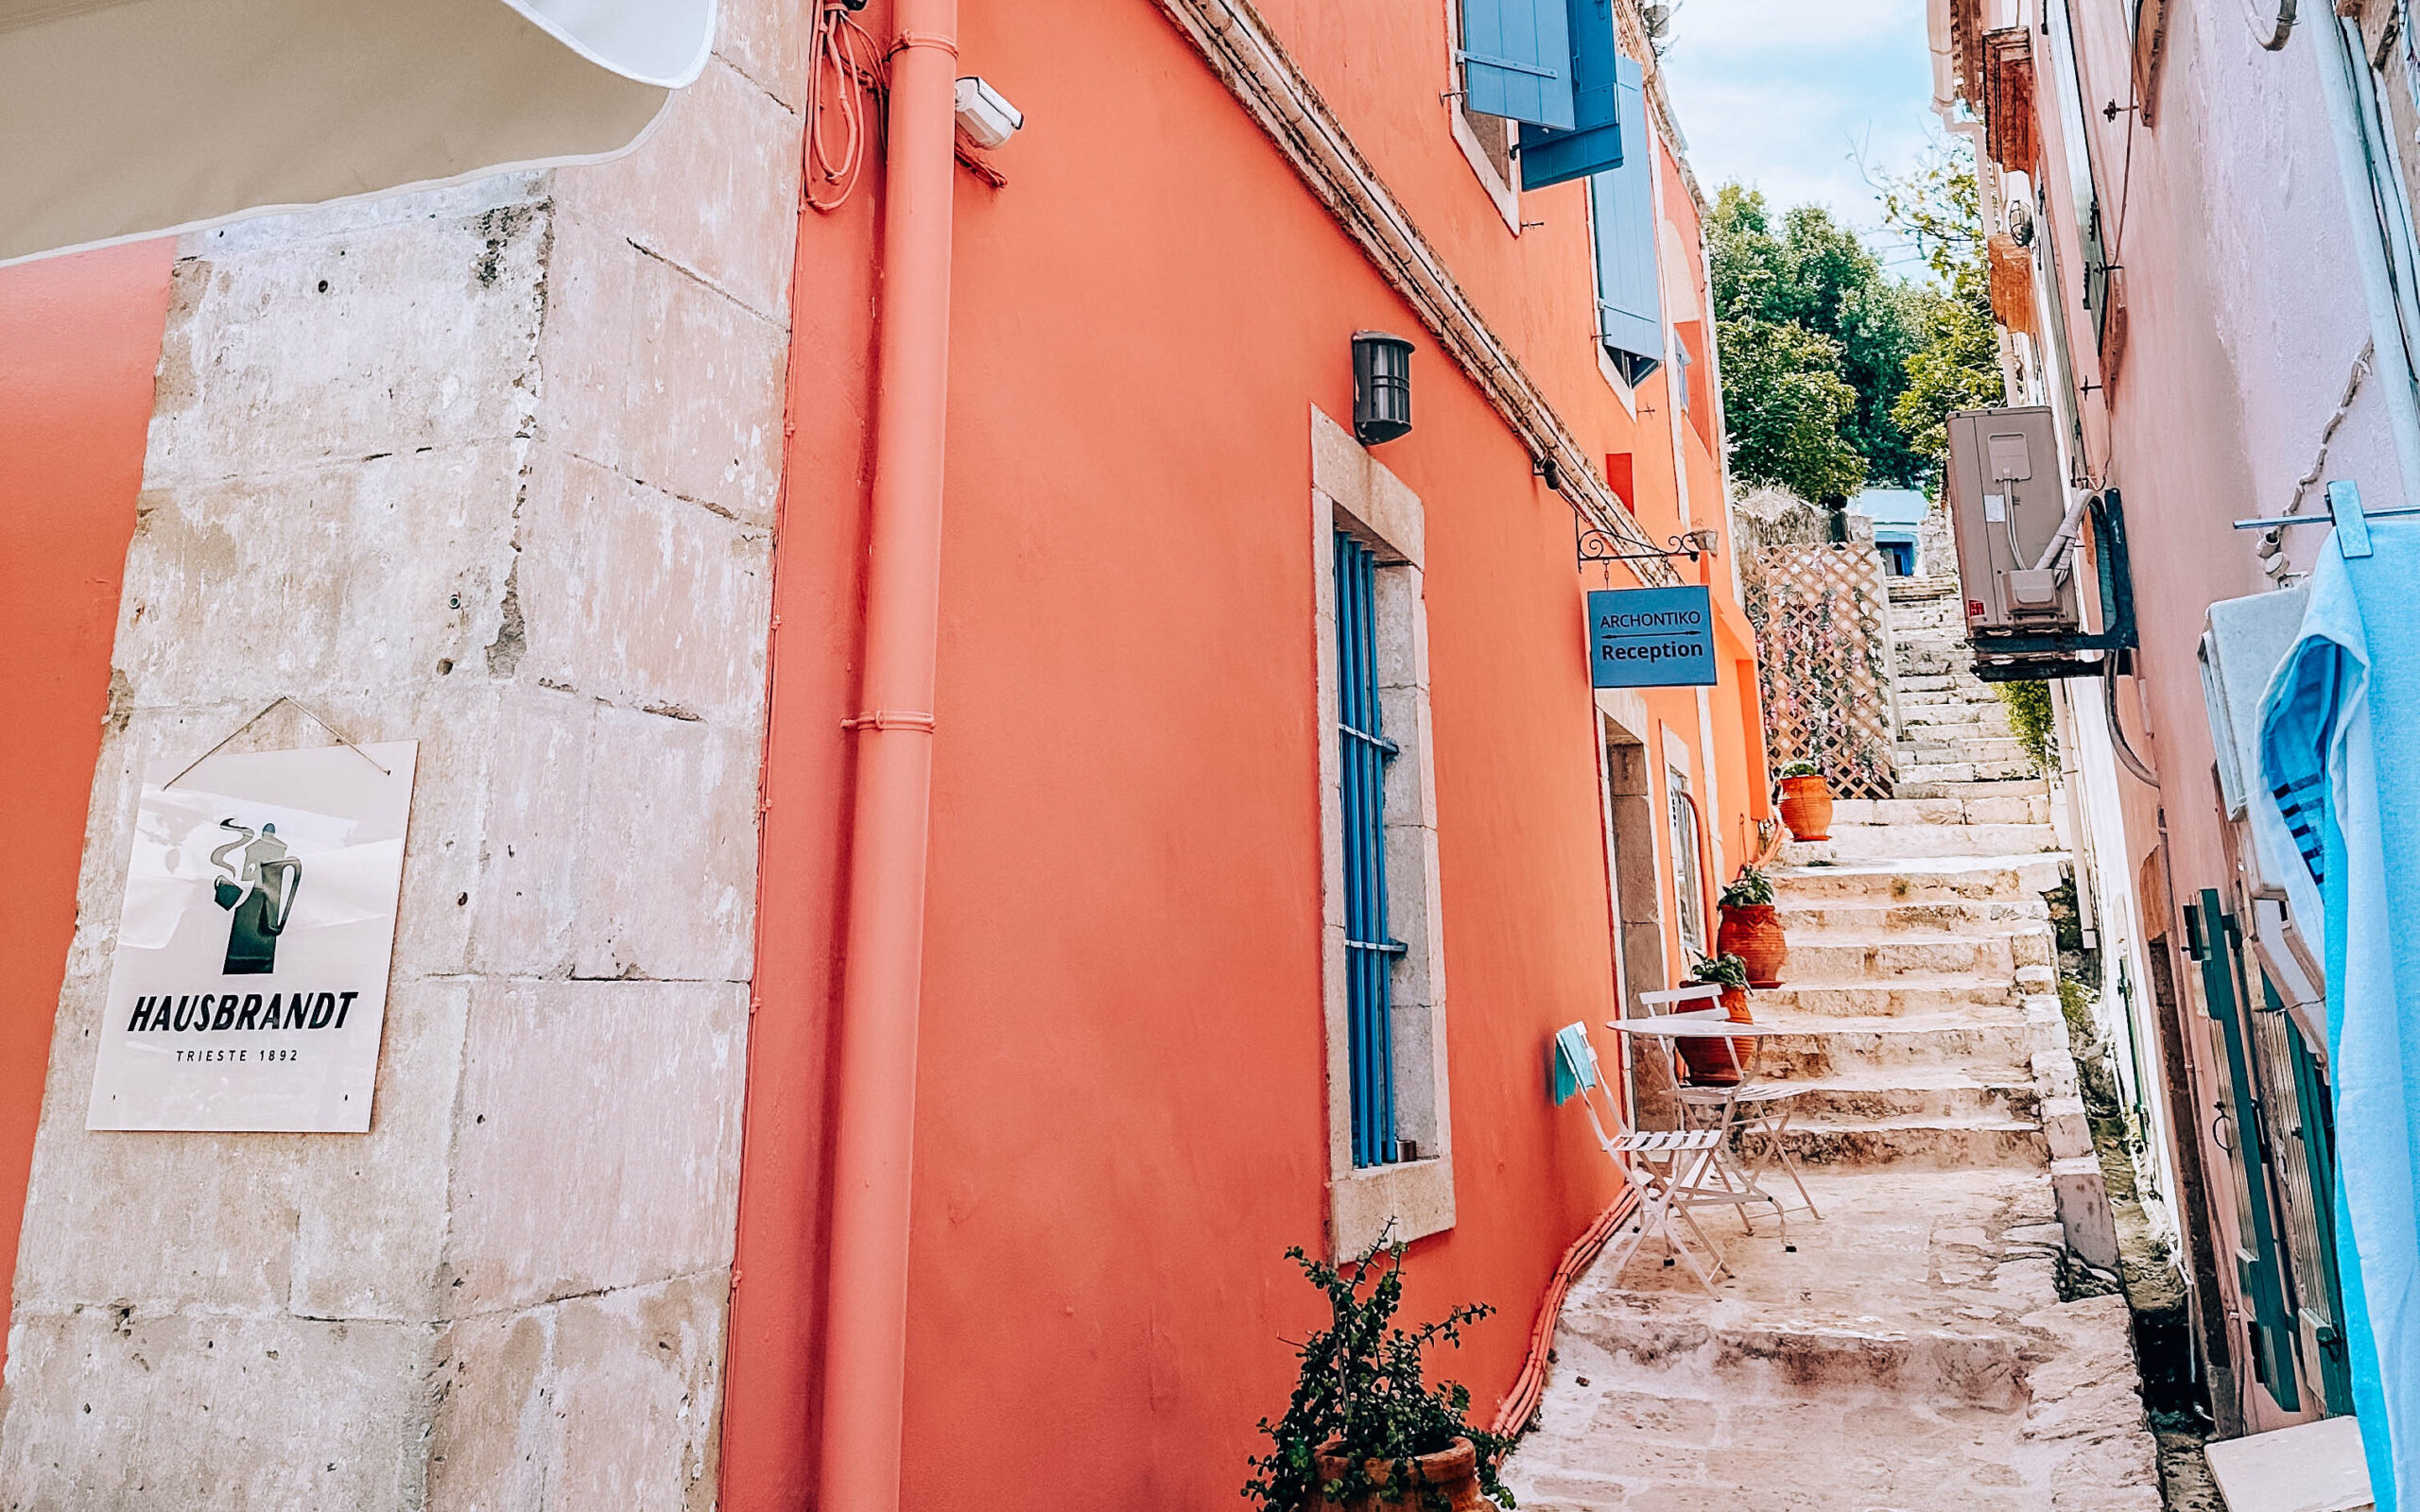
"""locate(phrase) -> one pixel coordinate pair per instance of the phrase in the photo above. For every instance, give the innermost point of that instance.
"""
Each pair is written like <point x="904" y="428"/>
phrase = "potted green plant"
<point x="1750" y="927"/>
<point x="1364" y="1430"/>
<point x="1806" y="801"/>
<point x="1707" y="1062"/>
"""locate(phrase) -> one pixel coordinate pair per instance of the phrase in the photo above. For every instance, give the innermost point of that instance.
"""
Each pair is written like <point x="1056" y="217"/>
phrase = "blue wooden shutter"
<point x="1369" y="951"/>
<point x="1548" y="156"/>
<point x="1516" y="61"/>
<point x="1629" y="302"/>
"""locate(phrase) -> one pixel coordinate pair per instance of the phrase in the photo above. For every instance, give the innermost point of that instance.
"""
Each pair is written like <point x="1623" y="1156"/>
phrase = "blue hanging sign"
<point x="1651" y="637"/>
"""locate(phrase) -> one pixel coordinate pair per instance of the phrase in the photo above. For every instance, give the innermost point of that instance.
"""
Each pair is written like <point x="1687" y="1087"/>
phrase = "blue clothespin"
<point x="2352" y="525"/>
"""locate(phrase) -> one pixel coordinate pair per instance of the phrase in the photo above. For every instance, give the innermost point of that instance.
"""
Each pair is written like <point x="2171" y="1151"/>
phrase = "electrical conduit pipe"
<point x="865" y="1351"/>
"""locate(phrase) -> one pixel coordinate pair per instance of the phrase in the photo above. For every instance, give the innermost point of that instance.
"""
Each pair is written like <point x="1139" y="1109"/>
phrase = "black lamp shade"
<point x="1381" y="386"/>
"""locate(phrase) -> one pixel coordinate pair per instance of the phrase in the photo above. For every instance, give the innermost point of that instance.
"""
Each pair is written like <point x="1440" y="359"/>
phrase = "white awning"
<point x="127" y="118"/>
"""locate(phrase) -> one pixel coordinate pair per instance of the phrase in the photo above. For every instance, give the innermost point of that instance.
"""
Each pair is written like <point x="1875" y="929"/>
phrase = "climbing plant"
<point x="2030" y="721"/>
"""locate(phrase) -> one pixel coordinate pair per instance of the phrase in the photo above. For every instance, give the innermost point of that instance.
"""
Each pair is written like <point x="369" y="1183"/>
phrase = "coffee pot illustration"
<point x="258" y="890"/>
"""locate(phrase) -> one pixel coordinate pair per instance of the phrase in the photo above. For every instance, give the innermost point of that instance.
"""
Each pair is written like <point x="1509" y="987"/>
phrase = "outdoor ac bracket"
<point x="2103" y="653"/>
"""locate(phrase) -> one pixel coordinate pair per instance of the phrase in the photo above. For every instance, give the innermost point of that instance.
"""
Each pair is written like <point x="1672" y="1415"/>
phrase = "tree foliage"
<point x="1834" y="374"/>
<point x="1790" y="410"/>
<point x="1956" y="366"/>
<point x="1813" y="277"/>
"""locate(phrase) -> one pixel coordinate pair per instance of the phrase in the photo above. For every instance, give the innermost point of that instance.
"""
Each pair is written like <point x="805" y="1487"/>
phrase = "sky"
<point x="1786" y="94"/>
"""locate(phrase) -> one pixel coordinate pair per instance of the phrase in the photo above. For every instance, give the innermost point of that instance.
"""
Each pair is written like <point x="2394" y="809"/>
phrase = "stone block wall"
<point x="493" y="467"/>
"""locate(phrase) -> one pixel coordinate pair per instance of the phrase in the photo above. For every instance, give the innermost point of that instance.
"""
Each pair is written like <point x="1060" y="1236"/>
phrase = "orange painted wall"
<point x="79" y="338"/>
<point x="1122" y="1095"/>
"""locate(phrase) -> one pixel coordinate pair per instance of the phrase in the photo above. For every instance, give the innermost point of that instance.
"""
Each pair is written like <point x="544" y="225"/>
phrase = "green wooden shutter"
<point x="1516" y="61"/>
<point x="2315" y="1118"/>
<point x="2210" y="934"/>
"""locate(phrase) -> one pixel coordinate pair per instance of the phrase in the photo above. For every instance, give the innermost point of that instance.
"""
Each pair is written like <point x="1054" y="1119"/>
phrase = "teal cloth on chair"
<point x="1575" y="1062"/>
<point x="2350" y="800"/>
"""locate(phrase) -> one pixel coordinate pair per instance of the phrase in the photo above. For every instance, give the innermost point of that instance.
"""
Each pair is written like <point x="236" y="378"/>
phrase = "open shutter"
<point x="2315" y="1130"/>
<point x="1630" y="305"/>
<point x="1516" y="61"/>
<point x="2258" y="1270"/>
<point x="1594" y="145"/>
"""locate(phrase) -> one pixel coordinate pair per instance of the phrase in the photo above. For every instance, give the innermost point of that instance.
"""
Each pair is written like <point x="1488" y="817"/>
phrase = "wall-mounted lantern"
<point x="1381" y="386"/>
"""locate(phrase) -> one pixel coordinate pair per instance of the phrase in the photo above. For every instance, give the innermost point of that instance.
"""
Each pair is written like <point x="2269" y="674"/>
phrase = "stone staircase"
<point x="1910" y="1352"/>
<point x="1953" y="730"/>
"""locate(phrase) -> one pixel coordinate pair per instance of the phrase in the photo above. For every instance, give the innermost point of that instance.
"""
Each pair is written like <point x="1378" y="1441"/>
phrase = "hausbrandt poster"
<point x="249" y="985"/>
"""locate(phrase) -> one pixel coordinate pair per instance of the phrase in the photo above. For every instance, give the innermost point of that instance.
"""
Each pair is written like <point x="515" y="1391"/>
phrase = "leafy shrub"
<point x="1724" y="970"/>
<point x="1753" y="890"/>
<point x="1361" y="1395"/>
<point x="2029" y="720"/>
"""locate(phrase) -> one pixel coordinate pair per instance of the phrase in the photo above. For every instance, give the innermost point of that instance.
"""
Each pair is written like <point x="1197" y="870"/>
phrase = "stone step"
<point x="1909" y="778"/>
<point x="2012" y="809"/>
<point x="1815" y="1047"/>
<point x="1818" y="958"/>
<point x="1945" y="683"/>
<point x="1933" y="879"/>
<point x="1952" y="721"/>
<point x="1923" y="748"/>
<point x="2032" y="784"/>
<point x="1923" y="1143"/>
<point x="1874" y="919"/>
<point x="1935" y="659"/>
<point x="1775" y="1356"/>
<point x="1979" y="1000"/>
<point x="1958" y="703"/>
<point x="1928" y="1094"/>
<point x="1919" y="842"/>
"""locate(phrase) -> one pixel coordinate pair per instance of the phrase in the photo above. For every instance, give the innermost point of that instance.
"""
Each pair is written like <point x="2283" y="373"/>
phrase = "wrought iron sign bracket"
<point x="1603" y="545"/>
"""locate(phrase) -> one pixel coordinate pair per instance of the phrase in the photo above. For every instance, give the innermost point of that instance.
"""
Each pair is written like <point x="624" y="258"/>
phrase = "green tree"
<point x="1790" y="410"/>
<point x="1957" y="368"/>
<point x="1957" y="365"/>
<point x="1815" y="274"/>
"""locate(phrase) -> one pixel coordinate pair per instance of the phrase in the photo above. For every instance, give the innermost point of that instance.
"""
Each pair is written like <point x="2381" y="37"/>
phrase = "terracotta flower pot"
<point x="1753" y="933"/>
<point x="1452" y="1473"/>
<point x="1807" y="807"/>
<point x="1706" y="1062"/>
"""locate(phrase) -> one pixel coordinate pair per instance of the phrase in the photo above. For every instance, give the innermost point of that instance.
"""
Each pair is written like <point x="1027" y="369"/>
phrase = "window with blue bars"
<point x="1369" y="948"/>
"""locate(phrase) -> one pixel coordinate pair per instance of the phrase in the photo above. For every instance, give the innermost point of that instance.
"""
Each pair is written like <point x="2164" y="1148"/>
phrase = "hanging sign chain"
<point x="247" y="724"/>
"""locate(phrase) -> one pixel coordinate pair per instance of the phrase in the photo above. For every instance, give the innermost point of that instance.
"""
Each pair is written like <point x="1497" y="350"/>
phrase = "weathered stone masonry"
<point x="492" y="468"/>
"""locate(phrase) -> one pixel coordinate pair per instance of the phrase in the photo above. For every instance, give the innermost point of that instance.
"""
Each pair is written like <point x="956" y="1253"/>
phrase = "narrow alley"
<point x="737" y="729"/>
<point x="1912" y="1350"/>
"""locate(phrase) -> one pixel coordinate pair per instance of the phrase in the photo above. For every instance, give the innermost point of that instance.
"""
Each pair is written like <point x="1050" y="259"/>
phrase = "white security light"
<point x="985" y="115"/>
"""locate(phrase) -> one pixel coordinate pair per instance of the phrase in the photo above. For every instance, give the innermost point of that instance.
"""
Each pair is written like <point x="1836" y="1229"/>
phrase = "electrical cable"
<point x="2117" y="731"/>
<point x="838" y="48"/>
<point x="2270" y="30"/>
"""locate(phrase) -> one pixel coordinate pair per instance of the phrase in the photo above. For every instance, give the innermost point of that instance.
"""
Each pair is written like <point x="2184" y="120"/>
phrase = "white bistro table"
<point x="1743" y="1184"/>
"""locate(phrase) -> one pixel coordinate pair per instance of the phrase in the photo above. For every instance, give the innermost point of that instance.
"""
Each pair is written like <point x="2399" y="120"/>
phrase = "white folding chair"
<point x="1667" y="1168"/>
<point x="1751" y="1106"/>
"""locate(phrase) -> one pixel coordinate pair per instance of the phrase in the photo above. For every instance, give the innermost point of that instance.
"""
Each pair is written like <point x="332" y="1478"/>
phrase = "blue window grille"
<point x="1369" y="950"/>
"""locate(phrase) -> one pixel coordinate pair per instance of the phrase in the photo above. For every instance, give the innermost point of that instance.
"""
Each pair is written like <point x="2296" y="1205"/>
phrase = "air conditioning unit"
<point x="2007" y="500"/>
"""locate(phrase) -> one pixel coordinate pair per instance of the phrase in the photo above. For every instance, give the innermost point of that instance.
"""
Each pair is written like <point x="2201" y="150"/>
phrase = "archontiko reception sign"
<point x="1651" y="637"/>
<point x="248" y="983"/>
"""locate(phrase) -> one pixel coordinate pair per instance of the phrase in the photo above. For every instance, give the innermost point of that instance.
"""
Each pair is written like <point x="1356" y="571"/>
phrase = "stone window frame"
<point x="1352" y="493"/>
<point x="1502" y="183"/>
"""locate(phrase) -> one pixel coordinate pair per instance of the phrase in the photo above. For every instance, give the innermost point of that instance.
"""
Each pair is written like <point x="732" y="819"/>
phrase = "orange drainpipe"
<point x="865" y="1351"/>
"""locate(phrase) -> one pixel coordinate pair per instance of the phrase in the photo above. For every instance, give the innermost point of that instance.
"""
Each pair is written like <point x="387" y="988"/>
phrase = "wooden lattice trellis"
<point x="1822" y="660"/>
